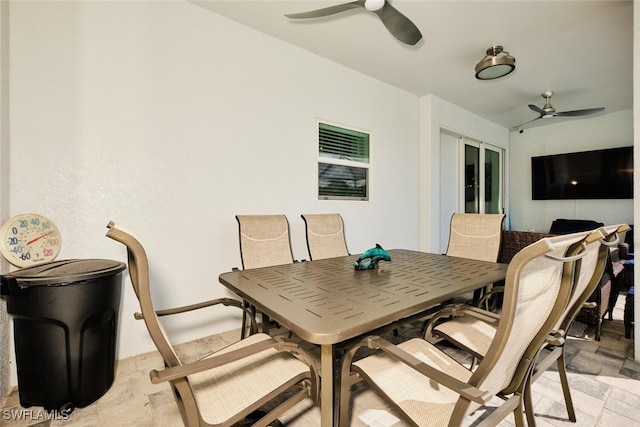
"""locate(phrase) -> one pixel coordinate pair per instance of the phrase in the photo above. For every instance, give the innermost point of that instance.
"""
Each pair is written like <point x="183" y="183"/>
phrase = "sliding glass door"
<point x="471" y="179"/>
<point x="481" y="176"/>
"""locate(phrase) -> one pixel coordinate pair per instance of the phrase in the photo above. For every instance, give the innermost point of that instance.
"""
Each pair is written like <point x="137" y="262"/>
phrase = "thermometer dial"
<point x="29" y="239"/>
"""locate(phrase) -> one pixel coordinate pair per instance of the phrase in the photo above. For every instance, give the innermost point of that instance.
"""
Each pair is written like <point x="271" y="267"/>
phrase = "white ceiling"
<point x="582" y="50"/>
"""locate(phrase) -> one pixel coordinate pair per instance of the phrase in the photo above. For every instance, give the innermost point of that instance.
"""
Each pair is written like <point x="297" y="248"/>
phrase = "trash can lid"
<point x="63" y="272"/>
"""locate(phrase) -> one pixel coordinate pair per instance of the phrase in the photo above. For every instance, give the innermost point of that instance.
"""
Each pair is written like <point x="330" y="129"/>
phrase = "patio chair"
<point x="476" y="236"/>
<point x="230" y="385"/>
<point x="473" y="330"/>
<point x="264" y="242"/>
<point x="325" y="236"/>
<point x="430" y="388"/>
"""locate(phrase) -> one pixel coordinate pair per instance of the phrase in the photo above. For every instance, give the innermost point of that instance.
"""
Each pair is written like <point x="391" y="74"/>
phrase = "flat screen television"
<point x="598" y="174"/>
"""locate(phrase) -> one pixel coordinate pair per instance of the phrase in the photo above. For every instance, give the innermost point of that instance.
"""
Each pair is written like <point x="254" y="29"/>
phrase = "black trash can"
<point x="65" y="317"/>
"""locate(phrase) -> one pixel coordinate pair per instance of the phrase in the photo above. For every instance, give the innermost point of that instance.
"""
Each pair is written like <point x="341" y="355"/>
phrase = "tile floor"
<point x="604" y="378"/>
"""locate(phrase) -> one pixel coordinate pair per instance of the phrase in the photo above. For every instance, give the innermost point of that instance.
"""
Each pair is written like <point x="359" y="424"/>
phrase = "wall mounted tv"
<point x="598" y="174"/>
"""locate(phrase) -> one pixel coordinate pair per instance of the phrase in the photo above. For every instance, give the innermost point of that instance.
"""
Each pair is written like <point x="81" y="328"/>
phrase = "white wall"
<point x="605" y="131"/>
<point x="636" y="159"/>
<point x="5" y="347"/>
<point x="170" y="120"/>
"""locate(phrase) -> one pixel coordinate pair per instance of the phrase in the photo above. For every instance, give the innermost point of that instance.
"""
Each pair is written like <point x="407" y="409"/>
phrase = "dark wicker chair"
<point x="514" y="241"/>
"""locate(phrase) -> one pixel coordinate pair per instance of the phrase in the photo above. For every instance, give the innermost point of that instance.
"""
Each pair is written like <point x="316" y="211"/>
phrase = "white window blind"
<point x="343" y="164"/>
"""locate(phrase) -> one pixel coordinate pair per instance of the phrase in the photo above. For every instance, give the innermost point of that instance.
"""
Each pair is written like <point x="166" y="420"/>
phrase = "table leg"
<point x="328" y="409"/>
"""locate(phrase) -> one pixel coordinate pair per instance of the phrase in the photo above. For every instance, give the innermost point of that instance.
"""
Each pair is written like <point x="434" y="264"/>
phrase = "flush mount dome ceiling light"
<point x="496" y="64"/>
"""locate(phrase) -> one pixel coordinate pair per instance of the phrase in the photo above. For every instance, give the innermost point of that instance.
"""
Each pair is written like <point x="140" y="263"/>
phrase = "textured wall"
<point x="582" y="134"/>
<point x="170" y="119"/>
<point x="4" y="351"/>
<point x="4" y="185"/>
<point x="636" y="159"/>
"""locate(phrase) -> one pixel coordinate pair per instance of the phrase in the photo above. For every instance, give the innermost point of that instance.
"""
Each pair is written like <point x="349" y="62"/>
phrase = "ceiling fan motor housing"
<point x="374" y="5"/>
<point x="548" y="108"/>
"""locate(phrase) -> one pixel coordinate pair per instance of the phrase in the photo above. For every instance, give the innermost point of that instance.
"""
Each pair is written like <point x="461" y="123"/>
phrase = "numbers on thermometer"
<point x="29" y="239"/>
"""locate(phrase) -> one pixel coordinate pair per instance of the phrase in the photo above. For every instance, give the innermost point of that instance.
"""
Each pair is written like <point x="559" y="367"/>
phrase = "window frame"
<point x="362" y="165"/>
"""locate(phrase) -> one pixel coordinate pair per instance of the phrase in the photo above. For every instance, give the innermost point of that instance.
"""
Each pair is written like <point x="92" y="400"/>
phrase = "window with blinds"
<point x="343" y="163"/>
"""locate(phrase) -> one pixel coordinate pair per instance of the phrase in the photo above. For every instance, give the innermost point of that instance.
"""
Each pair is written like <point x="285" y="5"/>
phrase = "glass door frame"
<point x="479" y="189"/>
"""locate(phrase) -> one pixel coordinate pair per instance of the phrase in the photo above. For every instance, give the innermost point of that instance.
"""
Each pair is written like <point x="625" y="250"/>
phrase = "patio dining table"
<point x="329" y="303"/>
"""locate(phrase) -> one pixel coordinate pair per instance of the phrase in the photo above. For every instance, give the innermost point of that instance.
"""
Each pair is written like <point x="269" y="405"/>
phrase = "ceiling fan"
<point x="398" y="25"/>
<point x="547" y="111"/>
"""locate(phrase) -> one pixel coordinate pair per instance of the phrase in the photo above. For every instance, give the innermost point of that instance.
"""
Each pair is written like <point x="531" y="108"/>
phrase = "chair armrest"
<point x="227" y="302"/>
<point x="556" y="338"/>
<point x="226" y="357"/>
<point x="460" y="310"/>
<point x="464" y="389"/>
<point x="478" y="313"/>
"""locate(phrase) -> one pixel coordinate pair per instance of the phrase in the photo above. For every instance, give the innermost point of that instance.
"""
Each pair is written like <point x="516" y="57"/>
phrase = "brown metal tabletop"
<point x="328" y="302"/>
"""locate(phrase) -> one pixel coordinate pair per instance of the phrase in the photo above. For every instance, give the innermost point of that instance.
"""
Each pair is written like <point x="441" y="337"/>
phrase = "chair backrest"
<point x="139" y="273"/>
<point x="538" y="287"/>
<point x="588" y="251"/>
<point x="589" y="272"/>
<point x="628" y="239"/>
<point x="325" y="236"/>
<point x="475" y="236"/>
<point x="264" y="240"/>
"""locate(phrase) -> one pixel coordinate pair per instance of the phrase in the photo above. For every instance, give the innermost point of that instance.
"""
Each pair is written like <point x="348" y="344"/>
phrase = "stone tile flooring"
<point x="604" y="378"/>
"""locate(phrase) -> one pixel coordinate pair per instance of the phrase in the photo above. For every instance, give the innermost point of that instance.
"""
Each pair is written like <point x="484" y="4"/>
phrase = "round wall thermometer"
<point x="29" y="239"/>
